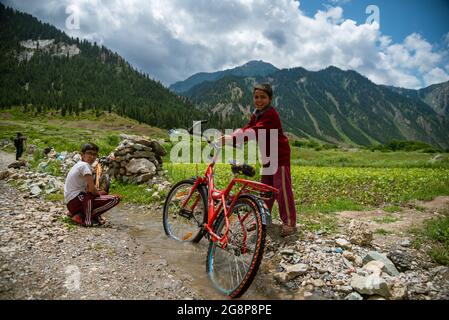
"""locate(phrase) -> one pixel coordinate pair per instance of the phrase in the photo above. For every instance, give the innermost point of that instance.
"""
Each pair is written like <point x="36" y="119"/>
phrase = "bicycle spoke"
<point x="230" y="268"/>
<point x="181" y="222"/>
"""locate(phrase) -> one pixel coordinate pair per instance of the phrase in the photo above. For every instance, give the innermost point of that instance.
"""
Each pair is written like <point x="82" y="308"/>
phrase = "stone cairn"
<point x="137" y="160"/>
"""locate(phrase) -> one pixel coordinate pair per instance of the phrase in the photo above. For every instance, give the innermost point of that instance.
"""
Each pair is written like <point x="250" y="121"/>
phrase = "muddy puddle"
<point x="147" y="229"/>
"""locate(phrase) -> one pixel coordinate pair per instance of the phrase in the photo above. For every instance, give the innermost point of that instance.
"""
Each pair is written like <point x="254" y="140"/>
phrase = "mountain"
<point x="250" y="69"/>
<point x="436" y="96"/>
<point x="331" y="105"/>
<point x="43" y="68"/>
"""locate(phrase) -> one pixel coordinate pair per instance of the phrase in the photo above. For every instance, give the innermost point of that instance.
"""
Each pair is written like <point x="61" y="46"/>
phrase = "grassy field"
<point x="367" y="159"/>
<point x="68" y="133"/>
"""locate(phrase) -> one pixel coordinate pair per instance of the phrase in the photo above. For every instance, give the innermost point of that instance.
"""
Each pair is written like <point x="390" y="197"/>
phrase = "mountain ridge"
<point x="330" y="105"/>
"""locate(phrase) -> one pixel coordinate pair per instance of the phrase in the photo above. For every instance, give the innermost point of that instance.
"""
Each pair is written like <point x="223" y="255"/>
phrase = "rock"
<point x="358" y="261"/>
<point x="376" y="297"/>
<point x="17" y="164"/>
<point x="405" y="243"/>
<point x="398" y="291"/>
<point x="441" y="271"/>
<point x="344" y="289"/>
<point x="144" y="178"/>
<point x="35" y="191"/>
<point x="287" y="252"/>
<point x="4" y="174"/>
<point x="374" y="267"/>
<point x="370" y="285"/>
<point x="141" y="166"/>
<point x="281" y="277"/>
<point x="55" y="184"/>
<point x="318" y="283"/>
<point x="354" y="296"/>
<point x="349" y="255"/>
<point x="360" y="233"/>
<point x="158" y="149"/>
<point x="143" y="154"/>
<point x="343" y="243"/>
<point x="402" y="260"/>
<point x="155" y="195"/>
<point x="296" y="270"/>
<point x="389" y="266"/>
<point x="122" y="152"/>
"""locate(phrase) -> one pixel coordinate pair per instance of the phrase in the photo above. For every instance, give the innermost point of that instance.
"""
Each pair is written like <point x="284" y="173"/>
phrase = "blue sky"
<point x="399" y="18"/>
<point x="173" y="39"/>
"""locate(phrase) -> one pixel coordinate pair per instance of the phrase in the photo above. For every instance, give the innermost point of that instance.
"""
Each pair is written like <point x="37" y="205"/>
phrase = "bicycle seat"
<point x="244" y="169"/>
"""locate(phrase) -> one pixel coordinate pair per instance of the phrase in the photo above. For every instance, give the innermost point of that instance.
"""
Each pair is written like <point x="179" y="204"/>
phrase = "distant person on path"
<point x="85" y="203"/>
<point x="18" y="143"/>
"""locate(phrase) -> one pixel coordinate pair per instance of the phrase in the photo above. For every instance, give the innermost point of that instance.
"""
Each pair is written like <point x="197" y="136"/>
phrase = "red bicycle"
<point x="234" y="221"/>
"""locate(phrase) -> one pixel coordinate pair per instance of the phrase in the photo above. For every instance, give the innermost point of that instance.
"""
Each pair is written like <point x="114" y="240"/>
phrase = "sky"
<point x="404" y="43"/>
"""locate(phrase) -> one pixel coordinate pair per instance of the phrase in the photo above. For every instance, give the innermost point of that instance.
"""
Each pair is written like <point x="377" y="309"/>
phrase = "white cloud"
<point x="172" y="39"/>
<point x="436" y="75"/>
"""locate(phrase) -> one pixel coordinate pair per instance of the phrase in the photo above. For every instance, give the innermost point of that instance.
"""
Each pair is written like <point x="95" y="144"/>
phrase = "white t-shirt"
<point x="75" y="182"/>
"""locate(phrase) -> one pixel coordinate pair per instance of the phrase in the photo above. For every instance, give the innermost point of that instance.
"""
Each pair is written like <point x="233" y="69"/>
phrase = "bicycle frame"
<point x="98" y="172"/>
<point x="223" y="197"/>
<point x="99" y="169"/>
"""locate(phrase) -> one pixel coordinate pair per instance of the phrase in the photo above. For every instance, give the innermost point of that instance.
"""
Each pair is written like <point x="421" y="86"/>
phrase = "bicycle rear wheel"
<point x="185" y="224"/>
<point x="233" y="269"/>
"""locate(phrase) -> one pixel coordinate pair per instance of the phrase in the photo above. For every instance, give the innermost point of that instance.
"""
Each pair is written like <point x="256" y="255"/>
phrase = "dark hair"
<point x="89" y="146"/>
<point x="265" y="87"/>
<point x="19" y="134"/>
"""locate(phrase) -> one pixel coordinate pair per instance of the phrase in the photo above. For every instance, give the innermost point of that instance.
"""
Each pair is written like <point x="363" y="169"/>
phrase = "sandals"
<point x="288" y="230"/>
<point x="79" y="220"/>
<point x="101" y="221"/>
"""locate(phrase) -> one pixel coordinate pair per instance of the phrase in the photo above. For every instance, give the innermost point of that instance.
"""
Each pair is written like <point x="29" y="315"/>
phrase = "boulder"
<point x="359" y="232"/>
<point x="370" y="285"/>
<point x="389" y="266"/>
<point x="401" y="259"/>
<point x="374" y="267"/>
<point x="296" y="270"/>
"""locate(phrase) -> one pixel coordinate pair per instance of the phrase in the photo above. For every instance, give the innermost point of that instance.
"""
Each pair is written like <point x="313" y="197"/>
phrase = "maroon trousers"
<point x="90" y="207"/>
<point x="282" y="181"/>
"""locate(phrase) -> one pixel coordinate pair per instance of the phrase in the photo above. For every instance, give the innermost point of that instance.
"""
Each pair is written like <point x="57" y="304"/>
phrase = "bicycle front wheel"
<point x="185" y="223"/>
<point x="233" y="269"/>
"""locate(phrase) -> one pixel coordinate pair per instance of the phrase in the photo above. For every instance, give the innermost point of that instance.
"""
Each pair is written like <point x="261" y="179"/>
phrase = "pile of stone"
<point x="348" y="266"/>
<point x="67" y="160"/>
<point x="137" y="160"/>
<point x="33" y="183"/>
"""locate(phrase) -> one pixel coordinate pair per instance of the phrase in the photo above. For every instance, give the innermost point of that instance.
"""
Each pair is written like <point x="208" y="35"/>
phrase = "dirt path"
<point x="41" y="257"/>
<point x="393" y="227"/>
<point x="5" y="159"/>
